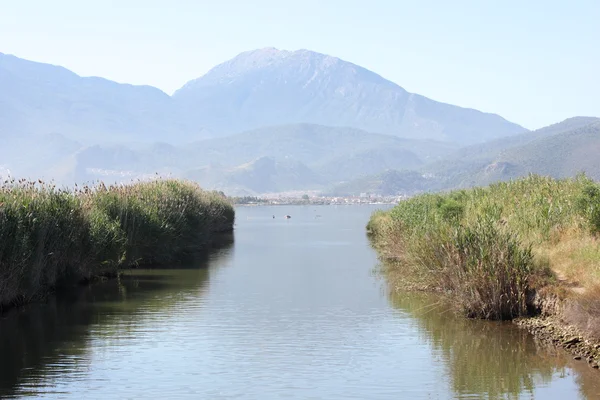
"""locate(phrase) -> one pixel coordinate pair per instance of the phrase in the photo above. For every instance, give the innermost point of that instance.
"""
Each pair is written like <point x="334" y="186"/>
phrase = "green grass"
<point x="51" y="236"/>
<point x="491" y="248"/>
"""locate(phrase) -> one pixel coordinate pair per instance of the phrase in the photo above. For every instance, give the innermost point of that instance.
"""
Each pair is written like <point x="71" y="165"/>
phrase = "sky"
<point x="534" y="62"/>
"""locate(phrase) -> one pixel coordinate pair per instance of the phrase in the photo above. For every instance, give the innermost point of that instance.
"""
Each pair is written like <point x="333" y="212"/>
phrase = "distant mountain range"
<point x="270" y="121"/>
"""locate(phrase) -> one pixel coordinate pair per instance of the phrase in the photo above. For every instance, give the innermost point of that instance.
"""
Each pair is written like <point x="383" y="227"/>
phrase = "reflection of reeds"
<point x="490" y="248"/>
<point x="483" y="359"/>
<point x="53" y="337"/>
<point x="50" y="236"/>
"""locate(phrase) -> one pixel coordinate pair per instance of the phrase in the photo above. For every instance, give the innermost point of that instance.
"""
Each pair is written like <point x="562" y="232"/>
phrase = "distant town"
<point x="283" y="199"/>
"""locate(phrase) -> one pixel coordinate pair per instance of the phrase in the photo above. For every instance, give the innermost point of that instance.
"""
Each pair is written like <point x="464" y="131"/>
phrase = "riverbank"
<point x="506" y="251"/>
<point x="51" y="237"/>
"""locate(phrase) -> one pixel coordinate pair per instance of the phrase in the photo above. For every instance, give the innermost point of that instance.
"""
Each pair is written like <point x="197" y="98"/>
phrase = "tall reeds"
<point x="51" y="236"/>
<point x="490" y="248"/>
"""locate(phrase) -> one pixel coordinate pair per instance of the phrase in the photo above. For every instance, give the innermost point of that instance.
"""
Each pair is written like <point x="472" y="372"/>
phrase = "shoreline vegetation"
<point x="526" y="250"/>
<point x="51" y="237"/>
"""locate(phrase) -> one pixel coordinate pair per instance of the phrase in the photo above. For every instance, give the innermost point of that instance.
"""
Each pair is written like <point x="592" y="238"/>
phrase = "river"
<point x="287" y="308"/>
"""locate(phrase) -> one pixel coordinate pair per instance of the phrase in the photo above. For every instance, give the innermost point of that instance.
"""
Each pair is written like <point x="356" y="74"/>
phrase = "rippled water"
<point x="288" y="309"/>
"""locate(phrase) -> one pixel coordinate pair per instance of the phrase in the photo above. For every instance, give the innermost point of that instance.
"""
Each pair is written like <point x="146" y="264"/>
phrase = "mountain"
<point x="39" y="99"/>
<point x="272" y="87"/>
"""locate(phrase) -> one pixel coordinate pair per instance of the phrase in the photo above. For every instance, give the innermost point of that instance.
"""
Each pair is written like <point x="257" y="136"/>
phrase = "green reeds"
<point x="51" y="236"/>
<point x="489" y="248"/>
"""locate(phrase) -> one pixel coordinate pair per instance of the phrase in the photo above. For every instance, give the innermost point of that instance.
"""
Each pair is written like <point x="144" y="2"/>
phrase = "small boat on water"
<point x="288" y="217"/>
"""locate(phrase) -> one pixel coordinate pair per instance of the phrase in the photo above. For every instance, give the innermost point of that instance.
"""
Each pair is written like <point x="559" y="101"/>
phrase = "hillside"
<point x="460" y="168"/>
<point x="272" y="87"/>
<point x="560" y="150"/>
<point x="492" y="148"/>
<point x="562" y="155"/>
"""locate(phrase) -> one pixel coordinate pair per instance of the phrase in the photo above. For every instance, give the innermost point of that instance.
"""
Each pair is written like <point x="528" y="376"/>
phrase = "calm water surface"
<point x="289" y="309"/>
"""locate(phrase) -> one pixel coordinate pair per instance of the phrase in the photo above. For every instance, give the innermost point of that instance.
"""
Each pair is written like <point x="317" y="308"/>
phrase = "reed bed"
<point x="51" y="236"/>
<point x="490" y="249"/>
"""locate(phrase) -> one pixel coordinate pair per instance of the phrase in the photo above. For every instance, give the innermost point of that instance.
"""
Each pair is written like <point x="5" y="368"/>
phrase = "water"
<point x="289" y="309"/>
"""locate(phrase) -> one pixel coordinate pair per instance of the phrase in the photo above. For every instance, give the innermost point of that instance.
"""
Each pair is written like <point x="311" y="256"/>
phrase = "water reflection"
<point x="40" y="342"/>
<point x="491" y="360"/>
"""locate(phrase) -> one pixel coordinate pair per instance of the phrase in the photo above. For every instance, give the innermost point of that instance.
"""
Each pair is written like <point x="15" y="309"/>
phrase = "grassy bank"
<point x="492" y="249"/>
<point x="50" y="236"/>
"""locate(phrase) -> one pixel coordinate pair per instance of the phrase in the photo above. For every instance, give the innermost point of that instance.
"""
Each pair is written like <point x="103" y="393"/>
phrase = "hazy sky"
<point x="535" y="62"/>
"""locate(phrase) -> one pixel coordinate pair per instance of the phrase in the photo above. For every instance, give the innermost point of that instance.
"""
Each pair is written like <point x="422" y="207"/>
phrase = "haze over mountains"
<point x="267" y="121"/>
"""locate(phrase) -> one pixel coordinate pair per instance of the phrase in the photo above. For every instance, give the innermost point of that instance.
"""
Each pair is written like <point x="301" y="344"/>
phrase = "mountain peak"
<point x="267" y="58"/>
<point x="265" y="55"/>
